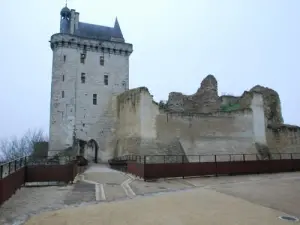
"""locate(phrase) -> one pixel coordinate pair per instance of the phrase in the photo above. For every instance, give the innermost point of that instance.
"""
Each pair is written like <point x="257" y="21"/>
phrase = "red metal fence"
<point x="150" y="167"/>
<point x="10" y="184"/>
<point x="15" y="174"/>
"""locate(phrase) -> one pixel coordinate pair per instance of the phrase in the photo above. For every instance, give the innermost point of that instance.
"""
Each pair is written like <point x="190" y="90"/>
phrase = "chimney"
<point x="76" y="20"/>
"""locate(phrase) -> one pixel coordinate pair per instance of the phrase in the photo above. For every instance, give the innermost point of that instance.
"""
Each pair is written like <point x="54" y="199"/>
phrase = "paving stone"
<point x="114" y="192"/>
<point x="82" y="192"/>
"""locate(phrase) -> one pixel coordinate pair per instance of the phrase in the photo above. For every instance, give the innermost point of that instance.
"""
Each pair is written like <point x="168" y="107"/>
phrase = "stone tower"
<point x="90" y="66"/>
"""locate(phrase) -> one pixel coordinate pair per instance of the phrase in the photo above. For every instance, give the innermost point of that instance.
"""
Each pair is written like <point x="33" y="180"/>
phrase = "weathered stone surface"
<point x="263" y="150"/>
<point x="272" y="105"/>
<point x="205" y="100"/>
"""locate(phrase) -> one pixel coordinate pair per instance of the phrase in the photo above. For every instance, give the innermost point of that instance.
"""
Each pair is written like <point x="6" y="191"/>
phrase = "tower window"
<point x="102" y="60"/>
<point x="94" y="99"/>
<point x="82" y="58"/>
<point x="63" y="77"/>
<point x="62" y="94"/>
<point x="83" y="78"/>
<point x="105" y="79"/>
<point x="65" y="58"/>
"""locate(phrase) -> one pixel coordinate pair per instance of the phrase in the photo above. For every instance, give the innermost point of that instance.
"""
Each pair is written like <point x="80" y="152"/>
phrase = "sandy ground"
<point x="197" y="206"/>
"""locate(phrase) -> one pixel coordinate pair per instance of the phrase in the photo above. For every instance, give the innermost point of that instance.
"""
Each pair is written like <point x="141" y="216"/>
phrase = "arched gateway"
<point x="92" y="149"/>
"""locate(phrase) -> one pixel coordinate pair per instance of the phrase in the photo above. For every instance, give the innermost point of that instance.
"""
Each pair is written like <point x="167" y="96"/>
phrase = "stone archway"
<point x="92" y="150"/>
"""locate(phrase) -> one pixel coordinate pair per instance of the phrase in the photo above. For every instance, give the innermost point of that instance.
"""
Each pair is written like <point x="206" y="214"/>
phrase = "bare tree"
<point x="17" y="147"/>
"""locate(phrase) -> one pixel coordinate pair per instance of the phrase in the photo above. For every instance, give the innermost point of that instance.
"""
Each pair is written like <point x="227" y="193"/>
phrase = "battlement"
<point x="89" y="44"/>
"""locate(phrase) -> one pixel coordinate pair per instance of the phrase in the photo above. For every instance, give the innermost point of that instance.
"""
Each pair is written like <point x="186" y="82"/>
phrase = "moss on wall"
<point x="230" y="107"/>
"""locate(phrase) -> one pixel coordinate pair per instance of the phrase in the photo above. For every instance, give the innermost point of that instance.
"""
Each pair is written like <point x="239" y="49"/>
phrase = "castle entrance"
<point x="92" y="150"/>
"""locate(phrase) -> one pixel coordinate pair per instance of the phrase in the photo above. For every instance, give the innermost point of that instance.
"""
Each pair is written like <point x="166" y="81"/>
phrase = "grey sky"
<point x="176" y="44"/>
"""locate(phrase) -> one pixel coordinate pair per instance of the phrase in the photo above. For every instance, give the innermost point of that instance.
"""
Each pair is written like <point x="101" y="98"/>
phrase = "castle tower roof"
<point x="117" y="30"/>
<point x="65" y="12"/>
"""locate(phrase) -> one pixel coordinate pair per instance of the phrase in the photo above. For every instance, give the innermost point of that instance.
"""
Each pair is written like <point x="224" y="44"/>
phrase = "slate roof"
<point x="99" y="32"/>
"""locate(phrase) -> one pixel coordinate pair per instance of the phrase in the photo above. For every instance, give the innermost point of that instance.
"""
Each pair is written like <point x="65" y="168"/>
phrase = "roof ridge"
<point x="95" y="25"/>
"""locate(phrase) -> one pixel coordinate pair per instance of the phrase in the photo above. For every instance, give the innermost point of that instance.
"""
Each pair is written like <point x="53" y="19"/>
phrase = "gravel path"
<point x="30" y="201"/>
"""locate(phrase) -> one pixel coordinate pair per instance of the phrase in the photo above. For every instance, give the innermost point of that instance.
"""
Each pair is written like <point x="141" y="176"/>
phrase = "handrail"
<point x="13" y="160"/>
<point x="216" y="157"/>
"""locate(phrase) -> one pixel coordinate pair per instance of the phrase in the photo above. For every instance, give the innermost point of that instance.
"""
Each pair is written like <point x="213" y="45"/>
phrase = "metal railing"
<point x="162" y="166"/>
<point x="146" y="159"/>
<point x="10" y="167"/>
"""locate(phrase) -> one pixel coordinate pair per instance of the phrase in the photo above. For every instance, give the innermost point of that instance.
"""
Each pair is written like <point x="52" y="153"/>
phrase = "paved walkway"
<point x="109" y="184"/>
<point x="193" y="207"/>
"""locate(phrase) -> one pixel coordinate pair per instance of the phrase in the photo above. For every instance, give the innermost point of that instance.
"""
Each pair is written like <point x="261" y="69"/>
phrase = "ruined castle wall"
<point x="229" y="100"/>
<point x="259" y="119"/>
<point x="284" y="139"/>
<point x="129" y="126"/>
<point x="136" y="113"/>
<point x="145" y="129"/>
<point x="208" y="133"/>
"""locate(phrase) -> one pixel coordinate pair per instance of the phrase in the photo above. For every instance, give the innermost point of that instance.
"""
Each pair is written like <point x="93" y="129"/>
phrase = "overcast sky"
<point x="176" y="44"/>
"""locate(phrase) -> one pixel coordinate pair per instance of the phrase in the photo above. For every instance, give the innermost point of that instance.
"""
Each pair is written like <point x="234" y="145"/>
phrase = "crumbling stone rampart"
<point x="206" y="100"/>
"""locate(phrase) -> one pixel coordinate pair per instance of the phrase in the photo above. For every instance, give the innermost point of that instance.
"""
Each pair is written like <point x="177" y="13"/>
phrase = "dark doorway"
<point x="93" y="144"/>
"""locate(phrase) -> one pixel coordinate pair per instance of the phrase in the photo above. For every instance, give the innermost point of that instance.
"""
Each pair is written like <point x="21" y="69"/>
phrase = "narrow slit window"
<point x="82" y="58"/>
<point x="62" y="94"/>
<point x="105" y="79"/>
<point x="102" y="60"/>
<point x="94" y="99"/>
<point x="65" y="58"/>
<point x="82" y="78"/>
<point x="63" y="77"/>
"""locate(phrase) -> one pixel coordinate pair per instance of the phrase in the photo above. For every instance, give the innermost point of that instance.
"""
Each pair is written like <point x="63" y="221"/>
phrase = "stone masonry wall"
<point x="136" y="127"/>
<point x="129" y="122"/>
<point x="283" y="138"/>
<point x="145" y="129"/>
<point x="219" y="133"/>
<point x="73" y="112"/>
<point x="206" y="100"/>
